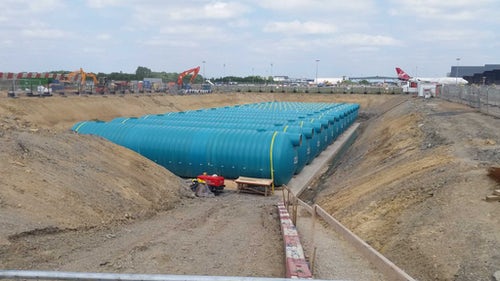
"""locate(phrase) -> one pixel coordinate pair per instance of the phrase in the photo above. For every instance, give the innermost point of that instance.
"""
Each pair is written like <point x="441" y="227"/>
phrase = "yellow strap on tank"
<point x="124" y="120"/>
<point x="271" y="159"/>
<point x="81" y="124"/>
<point x="286" y="128"/>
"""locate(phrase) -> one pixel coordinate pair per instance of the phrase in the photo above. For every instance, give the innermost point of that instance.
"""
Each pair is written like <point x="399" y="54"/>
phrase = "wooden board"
<point x="254" y="181"/>
<point x="254" y="185"/>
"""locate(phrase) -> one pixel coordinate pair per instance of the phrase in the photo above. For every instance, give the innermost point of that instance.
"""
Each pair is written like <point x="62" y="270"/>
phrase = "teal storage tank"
<point x="303" y="151"/>
<point x="232" y="141"/>
<point x="190" y="151"/>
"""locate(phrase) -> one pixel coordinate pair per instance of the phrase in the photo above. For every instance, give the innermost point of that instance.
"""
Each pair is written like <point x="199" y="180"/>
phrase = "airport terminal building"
<point x="488" y="74"/>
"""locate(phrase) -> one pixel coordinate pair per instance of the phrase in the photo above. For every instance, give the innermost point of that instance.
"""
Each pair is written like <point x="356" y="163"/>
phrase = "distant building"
<point x="487" y="74"/>
<point x="329" y="81"/>
<point x="281" y="79"/>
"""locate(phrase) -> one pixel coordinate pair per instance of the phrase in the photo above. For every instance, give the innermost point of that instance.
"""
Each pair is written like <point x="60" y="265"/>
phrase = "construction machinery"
<point x="214" y="183"/>
<point x="82" y="76"/>
<point x="180" y="79"/>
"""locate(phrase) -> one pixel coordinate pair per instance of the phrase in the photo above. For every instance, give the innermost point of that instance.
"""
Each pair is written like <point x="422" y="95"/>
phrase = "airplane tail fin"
<point x="402" y="75"/>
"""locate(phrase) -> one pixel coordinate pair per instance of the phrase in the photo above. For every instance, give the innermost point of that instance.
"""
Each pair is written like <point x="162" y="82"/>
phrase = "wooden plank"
<point x="491" y="198"/>
<point x="254" y="181"/>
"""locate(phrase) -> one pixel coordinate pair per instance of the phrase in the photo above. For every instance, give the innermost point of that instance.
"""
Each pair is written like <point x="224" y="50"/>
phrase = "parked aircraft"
<point x="402" y="75"/>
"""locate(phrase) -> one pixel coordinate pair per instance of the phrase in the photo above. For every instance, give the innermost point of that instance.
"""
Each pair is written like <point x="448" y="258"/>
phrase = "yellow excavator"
<point x="82" y="76"/>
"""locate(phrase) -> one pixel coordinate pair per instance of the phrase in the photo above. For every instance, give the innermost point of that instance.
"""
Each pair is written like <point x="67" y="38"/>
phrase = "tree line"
<point x="143" y="72"/>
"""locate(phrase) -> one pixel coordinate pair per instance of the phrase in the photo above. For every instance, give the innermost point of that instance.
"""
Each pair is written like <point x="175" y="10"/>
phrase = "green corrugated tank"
<point x="303" y="151"/>
<point x="190" y="151"/>
<point x="232" y="141"/>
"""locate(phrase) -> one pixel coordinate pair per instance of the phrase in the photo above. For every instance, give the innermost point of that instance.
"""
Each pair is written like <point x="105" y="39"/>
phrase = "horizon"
<point x="295" y="38"/>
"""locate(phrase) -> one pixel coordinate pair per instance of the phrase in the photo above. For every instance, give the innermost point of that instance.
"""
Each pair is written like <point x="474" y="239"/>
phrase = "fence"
<point x="388" y="268"/>
<point x="485" y="98"/>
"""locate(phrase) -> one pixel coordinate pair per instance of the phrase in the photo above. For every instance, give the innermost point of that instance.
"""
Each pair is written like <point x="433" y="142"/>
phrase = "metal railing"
<point x="388" y="268"/>
<point x="81" y="276"/>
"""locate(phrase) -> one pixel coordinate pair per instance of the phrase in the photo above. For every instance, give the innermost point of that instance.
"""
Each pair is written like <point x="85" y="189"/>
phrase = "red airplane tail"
<point x="402" y="75"/>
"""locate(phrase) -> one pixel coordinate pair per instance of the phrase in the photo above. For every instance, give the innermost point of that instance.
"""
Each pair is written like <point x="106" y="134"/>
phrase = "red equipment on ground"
<point x="214" y="182"/>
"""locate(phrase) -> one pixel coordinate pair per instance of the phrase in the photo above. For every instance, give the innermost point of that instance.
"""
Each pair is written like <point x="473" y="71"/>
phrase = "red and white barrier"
<point x="296" y="264"/>
<point x="28" y="75"/>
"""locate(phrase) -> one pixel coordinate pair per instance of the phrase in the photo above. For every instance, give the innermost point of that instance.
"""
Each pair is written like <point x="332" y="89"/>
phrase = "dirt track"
<point x="412" y="186"/>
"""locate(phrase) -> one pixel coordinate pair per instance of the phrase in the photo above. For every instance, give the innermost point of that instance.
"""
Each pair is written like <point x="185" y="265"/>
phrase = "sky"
<point x="296" y="38"/>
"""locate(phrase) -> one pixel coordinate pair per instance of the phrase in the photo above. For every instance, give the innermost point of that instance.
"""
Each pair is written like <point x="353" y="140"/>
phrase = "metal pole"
<point x="316" y="80"/>
<point x="60" y="275"/>
<point x="456" y="75"/>
<point x="204" y="70"/>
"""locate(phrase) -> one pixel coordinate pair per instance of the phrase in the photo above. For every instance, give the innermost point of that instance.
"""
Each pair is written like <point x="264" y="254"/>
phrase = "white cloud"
<point x="297" y="27"/>
<point x="318" y="5"/>
<point x="103" y="36"/>
<point x="456" y="10"/>
<point x="223" y="10"/>
<point x="193" y="32"/>
<point x="367" y="40"/>
<point x="99" y="4"/>
<point x="457" y="35"/>
<point x="167" y="42"/>
<point x="44" y="33"/>
<point x="163" y="11"/>
<point x="93" y="50"/>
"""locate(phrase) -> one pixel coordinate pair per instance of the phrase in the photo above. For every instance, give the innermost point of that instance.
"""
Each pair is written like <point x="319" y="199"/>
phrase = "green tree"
<point x="143" y="72"/>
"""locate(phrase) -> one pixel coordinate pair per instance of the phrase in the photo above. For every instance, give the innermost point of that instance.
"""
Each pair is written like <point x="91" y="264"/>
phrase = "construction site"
<point x="403" y="188"/>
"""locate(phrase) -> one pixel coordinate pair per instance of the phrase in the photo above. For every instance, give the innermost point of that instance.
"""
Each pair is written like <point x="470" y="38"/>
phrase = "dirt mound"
<point x="68" y="181"/>
<point x="413" y="186"/>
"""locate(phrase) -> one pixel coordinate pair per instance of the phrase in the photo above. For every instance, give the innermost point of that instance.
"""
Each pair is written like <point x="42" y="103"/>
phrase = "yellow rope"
<point x="81" y="124"/>
<point x="271" y="159"/>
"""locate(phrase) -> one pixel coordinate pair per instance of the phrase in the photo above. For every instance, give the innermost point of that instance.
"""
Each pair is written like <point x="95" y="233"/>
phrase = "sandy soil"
<point x="412" y="186"/>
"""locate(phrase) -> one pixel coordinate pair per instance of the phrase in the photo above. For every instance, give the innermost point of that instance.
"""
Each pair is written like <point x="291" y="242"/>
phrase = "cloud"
<point x="193" y="31"/>
<point x="163" y="11"/>
<point x="103" y="36"/>
<point x="167" y="42"/>
<point x="44" y="33"/>
<point x="297" y="27"/>
<point x="223" y="10"/>
<point x="99" y="4"/>
<point x="317" y="5"/>
<point x="456" y="10"/>
<point x="367" y="40"/>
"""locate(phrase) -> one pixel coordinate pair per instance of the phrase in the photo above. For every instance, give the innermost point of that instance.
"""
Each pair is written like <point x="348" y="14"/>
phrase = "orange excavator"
<point x="83" y="78"/>
<point x="194" y="71"/>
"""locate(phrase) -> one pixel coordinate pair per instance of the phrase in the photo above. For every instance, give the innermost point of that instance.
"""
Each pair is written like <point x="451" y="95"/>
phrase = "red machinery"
<point x="195" y="72"/>
<point x="214" y="182"/>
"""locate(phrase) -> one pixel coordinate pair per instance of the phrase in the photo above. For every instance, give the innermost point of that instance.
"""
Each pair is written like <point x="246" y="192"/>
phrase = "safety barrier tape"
<point x="271" y="160"/>
<point x="30" y="75"/>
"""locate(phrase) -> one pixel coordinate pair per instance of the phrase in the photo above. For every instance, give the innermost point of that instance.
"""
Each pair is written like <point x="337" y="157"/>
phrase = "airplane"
<point x="402" y="75"/>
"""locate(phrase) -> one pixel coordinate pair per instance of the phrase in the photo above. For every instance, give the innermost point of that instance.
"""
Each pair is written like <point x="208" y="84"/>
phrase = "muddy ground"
<point x="413" y="186"/>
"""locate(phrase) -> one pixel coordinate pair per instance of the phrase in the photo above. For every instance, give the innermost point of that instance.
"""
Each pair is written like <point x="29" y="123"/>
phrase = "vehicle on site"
<point x="180" y="79"/>
<point x="82" y="77"/>
<point x="214" y="183"/>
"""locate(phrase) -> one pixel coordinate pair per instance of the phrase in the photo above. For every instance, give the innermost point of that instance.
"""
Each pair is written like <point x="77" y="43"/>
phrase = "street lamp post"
<point x="456" y="74"/>
<point x="224" y="70"/>
<point x="204" y="70"/>
<point x="316" y="80"/>
<point x="272" y="71"/>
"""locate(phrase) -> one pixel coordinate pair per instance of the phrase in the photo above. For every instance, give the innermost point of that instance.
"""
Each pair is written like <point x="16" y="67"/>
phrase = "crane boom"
<point x="194" y="71"/>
